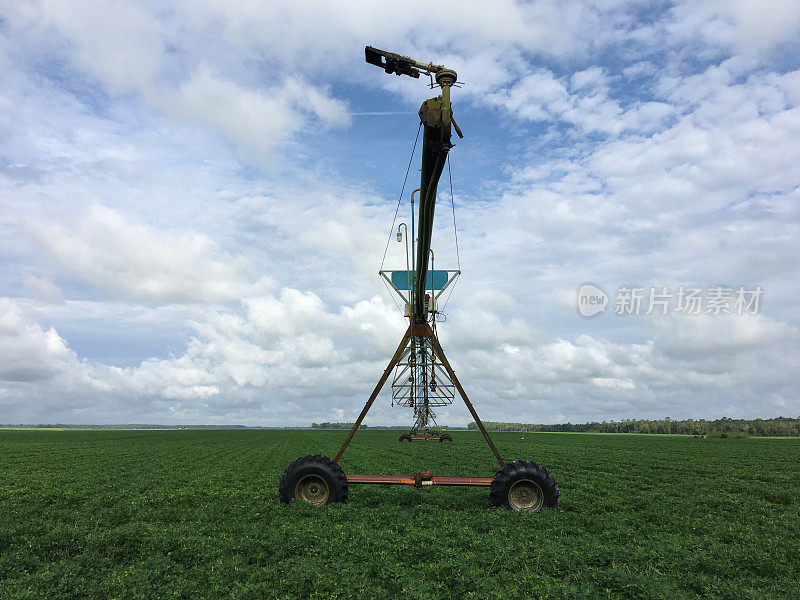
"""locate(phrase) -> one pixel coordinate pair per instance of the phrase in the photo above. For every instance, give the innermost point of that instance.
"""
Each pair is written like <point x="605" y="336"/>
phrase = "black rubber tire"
<point x="319" y="465"/>
<point x="518" y="470"/>
<point x="445" y="438"/>
<point x="405" y="438"/>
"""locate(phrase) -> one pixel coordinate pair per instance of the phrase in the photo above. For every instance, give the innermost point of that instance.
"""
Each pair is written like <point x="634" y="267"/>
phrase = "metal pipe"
<point x="413" y="237"/>
<point x="408" y="264"/>
<point x="435" y="146"/>
<point x="412" y="295"/>
<point x="411" y="480"/>
<point x="433" y="269"/>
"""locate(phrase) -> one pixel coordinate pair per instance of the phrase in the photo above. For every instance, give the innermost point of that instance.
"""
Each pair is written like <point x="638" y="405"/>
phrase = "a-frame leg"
<point x="428" y="332"/>
<point x="376" y="391"/>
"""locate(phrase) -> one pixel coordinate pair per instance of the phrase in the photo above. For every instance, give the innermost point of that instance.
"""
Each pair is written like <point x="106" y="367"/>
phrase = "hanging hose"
<point x="453" y="206"/>
<point x="455" y="234"/>
<point x="402" y="190"/>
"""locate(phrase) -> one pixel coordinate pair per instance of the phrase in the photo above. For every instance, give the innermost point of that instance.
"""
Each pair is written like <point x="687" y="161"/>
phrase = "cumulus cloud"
<point x="257" y="120"/>
<point x="581" y="101"/>
<point x="128" y="49"/>
<point x="287" y="343"/>
<point x="737" y="24"/>
<point x="43" y="289"/>
<point x="308" y="357"/>
<point x="29" y="353"/>
<point x="133" y="260"/>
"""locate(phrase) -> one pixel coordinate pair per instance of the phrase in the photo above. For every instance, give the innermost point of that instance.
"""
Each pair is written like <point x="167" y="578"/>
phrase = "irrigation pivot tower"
<point x="421" y="380"/>
<point x="420" y="359"/>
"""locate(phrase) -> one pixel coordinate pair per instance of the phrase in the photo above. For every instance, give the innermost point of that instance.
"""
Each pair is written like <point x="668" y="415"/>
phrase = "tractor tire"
<point x="524" y="485"/>
<point x="445" y="438"/>
<point x="405" y="438"/>
<point x="316" y="479"/>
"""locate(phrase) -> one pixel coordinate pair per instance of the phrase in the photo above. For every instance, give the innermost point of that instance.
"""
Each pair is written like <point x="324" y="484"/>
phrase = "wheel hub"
<point x="525" y="495"/>
<point x="313" y="489"/>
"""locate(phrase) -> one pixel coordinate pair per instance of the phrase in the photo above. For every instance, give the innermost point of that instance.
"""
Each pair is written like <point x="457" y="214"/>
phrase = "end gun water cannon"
<point x="398" y="64"/>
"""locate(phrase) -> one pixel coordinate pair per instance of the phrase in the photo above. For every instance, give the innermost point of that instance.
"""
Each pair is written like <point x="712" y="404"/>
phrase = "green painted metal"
<point x="435" y="116"/>
<point x="437" y="279"/>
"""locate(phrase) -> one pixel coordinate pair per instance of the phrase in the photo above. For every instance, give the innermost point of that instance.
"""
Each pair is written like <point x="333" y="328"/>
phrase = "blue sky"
<point x="195" y="202"/>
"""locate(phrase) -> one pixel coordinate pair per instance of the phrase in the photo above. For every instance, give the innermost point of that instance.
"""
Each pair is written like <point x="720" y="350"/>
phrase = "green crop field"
<point x="195" y="514"/>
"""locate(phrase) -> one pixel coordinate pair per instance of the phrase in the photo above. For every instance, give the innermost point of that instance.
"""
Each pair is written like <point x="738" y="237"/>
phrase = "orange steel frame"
<point x="419" y="481"/>
<point x="423" y="477"/>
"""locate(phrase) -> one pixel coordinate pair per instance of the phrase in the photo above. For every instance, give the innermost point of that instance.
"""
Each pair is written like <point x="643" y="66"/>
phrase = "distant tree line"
<point x="329" y="425"/>
<point x="779" y="426"/>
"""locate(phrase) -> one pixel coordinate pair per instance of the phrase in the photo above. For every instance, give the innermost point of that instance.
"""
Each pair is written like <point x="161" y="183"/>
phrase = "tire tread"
<point x="505" y="478"/>
<point x="339" y="489"/>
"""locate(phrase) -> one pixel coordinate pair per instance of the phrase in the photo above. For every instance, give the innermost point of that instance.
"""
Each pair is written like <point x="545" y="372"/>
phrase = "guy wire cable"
<point x="403" y="189"/>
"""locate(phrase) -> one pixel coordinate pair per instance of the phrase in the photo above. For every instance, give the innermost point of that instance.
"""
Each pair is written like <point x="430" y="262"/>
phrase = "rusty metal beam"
<point x="414" y="481"/>
<point x="385" y="479"/>
<point x="444" y="480"/>
<point x="375" y="392"/>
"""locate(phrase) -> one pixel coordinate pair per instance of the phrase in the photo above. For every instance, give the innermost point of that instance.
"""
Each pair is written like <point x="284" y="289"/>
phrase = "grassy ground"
<point x="195" y="514"/>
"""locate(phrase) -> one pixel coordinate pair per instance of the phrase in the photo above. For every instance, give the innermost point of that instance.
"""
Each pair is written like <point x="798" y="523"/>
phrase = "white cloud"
<point x="126" y="259"/>
<point x="722" y="337"/>
<point x="305" y="356"/>
<point x="129" y="49"/>
<point x="43" y="289"/>
<point x="258" y="120"/>
<point x="27" y="351"/>
<point x="764" y="24"/>
<point x="748" y="26"/>
<point x="119" y="42"/>
<point x="581" y="101"/>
